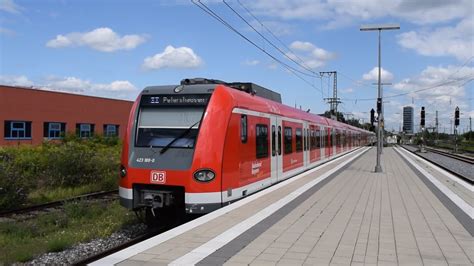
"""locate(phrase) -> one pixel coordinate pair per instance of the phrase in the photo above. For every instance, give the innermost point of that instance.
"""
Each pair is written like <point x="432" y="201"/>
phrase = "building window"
<point x="288" y="140"/>
<point x="299" y="142"/>
<point x="262" y="140"/>
<point x="111" y="130"/>
<point x="85" y="130"/>
<point x="54" y="130"/>
<point x="17" y="129"/>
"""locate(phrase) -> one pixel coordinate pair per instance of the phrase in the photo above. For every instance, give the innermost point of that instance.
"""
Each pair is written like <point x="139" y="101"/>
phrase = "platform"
<point x="339" y="213"/>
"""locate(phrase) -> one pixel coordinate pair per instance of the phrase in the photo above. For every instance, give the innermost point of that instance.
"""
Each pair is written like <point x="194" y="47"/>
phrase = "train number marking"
<point x="158" y="177"/>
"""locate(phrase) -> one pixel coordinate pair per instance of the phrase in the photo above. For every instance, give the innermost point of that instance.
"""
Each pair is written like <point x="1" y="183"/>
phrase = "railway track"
<point x="54" y="204"/>
<point x="452" y="171"/>
<point x="147" y="235"/>
<point x="451" y="155"/>
<point x="125" y="245"/>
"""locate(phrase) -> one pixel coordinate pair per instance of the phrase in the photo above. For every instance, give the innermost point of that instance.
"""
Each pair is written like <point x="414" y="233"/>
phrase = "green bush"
<point x="73" y="163"/>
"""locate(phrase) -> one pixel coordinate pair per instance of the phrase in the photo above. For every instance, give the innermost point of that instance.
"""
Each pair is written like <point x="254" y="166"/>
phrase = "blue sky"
<point x="116" y="48"/>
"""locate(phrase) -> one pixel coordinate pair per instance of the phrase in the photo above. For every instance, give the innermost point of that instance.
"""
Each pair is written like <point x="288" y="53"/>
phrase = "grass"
<point x="59" y="230"/>
<point x="44" y="195"/>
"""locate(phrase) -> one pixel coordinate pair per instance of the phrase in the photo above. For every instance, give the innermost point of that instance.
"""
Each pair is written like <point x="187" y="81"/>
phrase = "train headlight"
<point x="205" y="175"/>
<point x="123" y="171"/>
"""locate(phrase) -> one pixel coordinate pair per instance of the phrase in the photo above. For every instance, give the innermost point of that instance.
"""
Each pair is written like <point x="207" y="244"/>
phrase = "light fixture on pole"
<point x="379" y="28"/>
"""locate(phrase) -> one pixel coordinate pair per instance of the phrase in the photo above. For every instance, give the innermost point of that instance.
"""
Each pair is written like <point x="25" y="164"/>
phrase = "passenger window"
<point x="262" y="140"/>
<point x="288" y="140"/>
<point x="299" y="144"/>
<point x="273" y="141"/>
<point x="317" y="137"/>
<point x="243" y="128"/>
<point x="279" y="140"/>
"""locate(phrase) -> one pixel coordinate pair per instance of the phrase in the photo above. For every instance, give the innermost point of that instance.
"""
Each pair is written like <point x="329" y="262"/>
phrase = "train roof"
<point x="244" y="95"/>
<point x="264" y="105"/>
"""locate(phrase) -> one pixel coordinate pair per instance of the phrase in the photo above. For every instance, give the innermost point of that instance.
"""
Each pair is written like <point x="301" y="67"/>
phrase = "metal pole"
<point x="378" y="167"/>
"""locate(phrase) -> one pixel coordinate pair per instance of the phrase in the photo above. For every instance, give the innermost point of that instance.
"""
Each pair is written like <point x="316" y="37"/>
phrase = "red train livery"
<point x="195" y="147"/>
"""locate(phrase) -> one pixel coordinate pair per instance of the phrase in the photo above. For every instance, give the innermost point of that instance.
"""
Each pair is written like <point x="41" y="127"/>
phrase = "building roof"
<point x="40" y="90"/>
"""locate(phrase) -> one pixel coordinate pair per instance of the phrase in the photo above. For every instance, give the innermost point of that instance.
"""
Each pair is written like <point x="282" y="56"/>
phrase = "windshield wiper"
<point x="165" y="148"/>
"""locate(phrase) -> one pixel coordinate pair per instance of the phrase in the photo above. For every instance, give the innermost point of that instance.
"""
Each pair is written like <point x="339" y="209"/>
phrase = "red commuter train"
<point x="195" y="147"/>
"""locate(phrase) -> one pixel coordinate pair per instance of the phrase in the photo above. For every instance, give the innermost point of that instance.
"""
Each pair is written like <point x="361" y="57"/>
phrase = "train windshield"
<point x="158" y="127"/>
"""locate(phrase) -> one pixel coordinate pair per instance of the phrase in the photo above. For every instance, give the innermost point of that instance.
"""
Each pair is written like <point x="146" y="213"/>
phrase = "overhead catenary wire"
<point x="446" y="81"/>
<point x="292" y="70"/>
<point x="209" y="11"/>
<point x="303" y="65"/>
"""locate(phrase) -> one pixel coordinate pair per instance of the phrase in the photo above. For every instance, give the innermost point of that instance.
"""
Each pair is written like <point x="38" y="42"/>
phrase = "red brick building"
<point x="29" y="116"/>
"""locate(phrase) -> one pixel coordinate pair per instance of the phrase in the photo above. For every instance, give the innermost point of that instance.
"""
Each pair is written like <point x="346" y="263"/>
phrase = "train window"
<point x="307" y="139"/>
<point x="273" y="141"/>
<point x="311" y="139"/>
<point x="158" y="127"/>
<point x="243" y="128"/>
<point x="299" y="144"/>
<point x="317" y="137"/>
<point x="262" y="140"/>
<point x="288" y="140"/>
<point x="279" y="140"/>
<point x="304" y="139"/>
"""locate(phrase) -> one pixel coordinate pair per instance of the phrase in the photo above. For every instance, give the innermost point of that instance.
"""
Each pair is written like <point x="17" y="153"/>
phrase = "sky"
<point x="116" y="48"/>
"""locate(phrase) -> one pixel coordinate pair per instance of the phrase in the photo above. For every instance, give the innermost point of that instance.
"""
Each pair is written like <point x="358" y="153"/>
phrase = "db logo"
<point x="158" y="177"/>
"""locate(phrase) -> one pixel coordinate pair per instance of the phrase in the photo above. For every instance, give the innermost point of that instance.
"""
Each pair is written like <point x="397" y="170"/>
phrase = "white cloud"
<point x="277" y="28"/>
<point x="251" y="62"/>
<point x="6" y="31"/>
<point x="442" y="89"/>
<point x="337" y="12"/>
<point x="73" y="84"/>
<point x="311" y="55"/>
<point x="16" y="81"/>
<point x="181" y="57"/>
<point x="10" y="7"/>
<point x="446" y="41"/>
<point x="347" y="90"/>
<point x="374" y="75"/>
<point x="101" y="39"/>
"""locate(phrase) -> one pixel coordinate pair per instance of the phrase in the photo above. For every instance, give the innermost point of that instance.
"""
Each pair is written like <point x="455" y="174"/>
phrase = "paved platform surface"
<point x="354" y="217"/>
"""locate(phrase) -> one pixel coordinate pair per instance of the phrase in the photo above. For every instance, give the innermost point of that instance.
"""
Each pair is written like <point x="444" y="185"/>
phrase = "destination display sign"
<point x="175" y="100"/>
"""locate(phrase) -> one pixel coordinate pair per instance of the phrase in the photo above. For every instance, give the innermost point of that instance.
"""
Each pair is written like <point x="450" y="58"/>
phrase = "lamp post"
<point x="379" y="28"/>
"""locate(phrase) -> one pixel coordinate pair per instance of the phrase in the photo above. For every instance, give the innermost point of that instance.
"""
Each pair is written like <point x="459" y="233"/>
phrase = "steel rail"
<point x="57" y="203"/>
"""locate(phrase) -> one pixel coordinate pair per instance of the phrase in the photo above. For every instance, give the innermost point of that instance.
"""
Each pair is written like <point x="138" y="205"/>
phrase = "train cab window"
<point x="279" y="140"/>
<point x="243" y="128"/>
<point x="273" y="141"/>
<point x="288" y="140"/>
<point x="262" y="140"/>
<point x="299" y="143"/>
<point x="158" y="127"/>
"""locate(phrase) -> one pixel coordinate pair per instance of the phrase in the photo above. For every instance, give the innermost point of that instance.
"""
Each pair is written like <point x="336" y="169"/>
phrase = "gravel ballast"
<point x="84" y="250"/>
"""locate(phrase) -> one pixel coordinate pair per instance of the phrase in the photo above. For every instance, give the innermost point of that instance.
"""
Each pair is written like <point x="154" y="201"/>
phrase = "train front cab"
<point x="186" y="175"/>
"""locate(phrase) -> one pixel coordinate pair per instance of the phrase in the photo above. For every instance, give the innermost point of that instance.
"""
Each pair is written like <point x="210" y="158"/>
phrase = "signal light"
<point x="456" y="116"/>
<point x="372" y="117"/>
<point x="422" y="122"/>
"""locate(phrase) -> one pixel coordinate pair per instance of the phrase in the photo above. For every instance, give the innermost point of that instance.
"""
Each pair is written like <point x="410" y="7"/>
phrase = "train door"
<point x="305" y="144"/>
<point x="329" y="142"/>
<point x="276" y="148"/>
<point x="322" y="140"/>
<point x="334" y="141"/>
